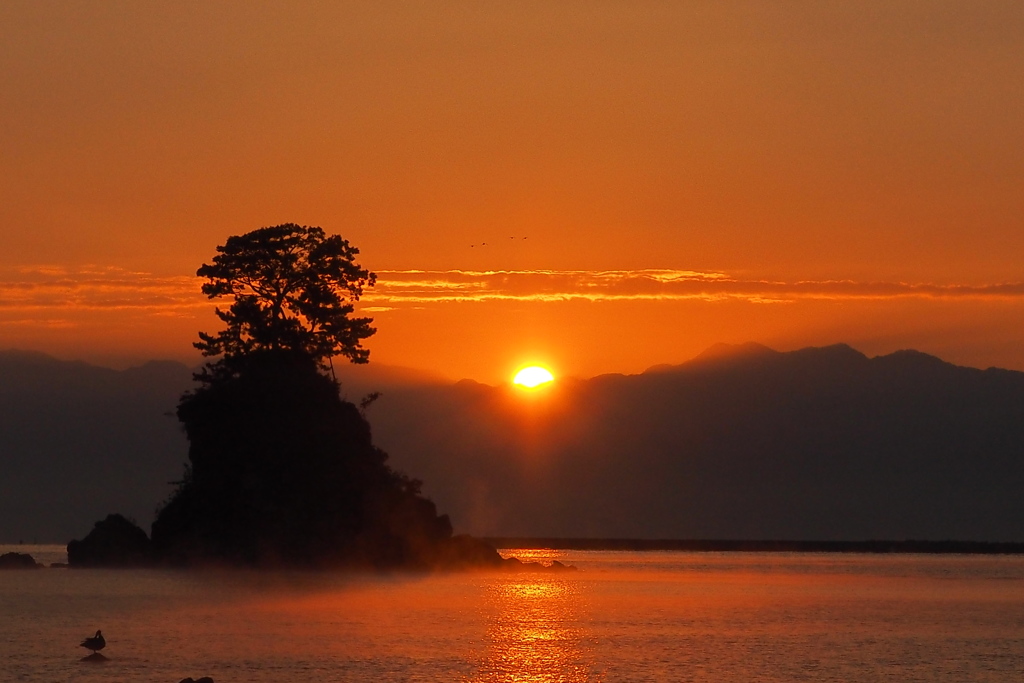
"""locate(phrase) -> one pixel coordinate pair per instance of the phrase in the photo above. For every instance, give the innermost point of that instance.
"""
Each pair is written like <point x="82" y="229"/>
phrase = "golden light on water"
<point x="532" y="377"/>
<point x="535" y="634"/>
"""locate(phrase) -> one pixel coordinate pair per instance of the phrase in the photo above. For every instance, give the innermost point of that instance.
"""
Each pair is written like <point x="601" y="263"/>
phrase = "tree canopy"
<point x="293" y="289"/>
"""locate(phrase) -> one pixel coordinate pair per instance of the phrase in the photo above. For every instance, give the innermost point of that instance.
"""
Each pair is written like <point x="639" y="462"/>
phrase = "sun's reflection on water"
<point x="535" y="633"/>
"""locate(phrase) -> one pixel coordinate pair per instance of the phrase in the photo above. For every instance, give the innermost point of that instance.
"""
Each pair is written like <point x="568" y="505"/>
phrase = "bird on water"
<point x="96" y="643"/>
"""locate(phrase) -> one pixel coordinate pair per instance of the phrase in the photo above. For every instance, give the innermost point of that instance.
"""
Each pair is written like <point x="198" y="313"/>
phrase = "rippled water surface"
<point x="625" y="616"/>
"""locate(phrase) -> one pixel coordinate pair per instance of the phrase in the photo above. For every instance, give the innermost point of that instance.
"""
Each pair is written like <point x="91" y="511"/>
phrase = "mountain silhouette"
<point x="79" y="441"/>
<point x="742" y="442"/>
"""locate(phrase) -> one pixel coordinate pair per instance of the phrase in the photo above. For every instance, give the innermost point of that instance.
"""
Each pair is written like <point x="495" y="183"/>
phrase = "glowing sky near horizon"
<point x="605" y="185"/>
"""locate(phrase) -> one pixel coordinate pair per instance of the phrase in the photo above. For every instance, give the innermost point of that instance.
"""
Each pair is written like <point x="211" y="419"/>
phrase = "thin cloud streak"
<point x="96" y="287"/>
<point x="48" y="288"/>
<point x="418" y="286"/>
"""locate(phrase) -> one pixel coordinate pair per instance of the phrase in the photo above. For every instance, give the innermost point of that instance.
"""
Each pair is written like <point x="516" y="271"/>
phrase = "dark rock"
<point x="283" y="472"/>
<point x="18" y="561"/>
<point x="58" y="565"/>
<point x="462" y="551"/>
<point x="515" y="564"/>
<point x="113" y="542"/>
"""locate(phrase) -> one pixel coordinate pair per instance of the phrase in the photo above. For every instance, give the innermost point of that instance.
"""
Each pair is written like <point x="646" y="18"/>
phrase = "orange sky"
<point x="792" y="173"/>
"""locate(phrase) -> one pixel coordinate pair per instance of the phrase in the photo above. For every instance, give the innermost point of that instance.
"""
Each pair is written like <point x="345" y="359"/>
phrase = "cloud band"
<point x="109" y="288"/>
<point x="418" y="286"/>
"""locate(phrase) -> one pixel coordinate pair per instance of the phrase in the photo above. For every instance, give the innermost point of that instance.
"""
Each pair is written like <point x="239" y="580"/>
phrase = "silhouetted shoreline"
<point x="691" y="545"/>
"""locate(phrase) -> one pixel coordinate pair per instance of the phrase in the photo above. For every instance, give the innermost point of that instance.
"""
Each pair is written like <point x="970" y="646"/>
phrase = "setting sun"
<point x="533" y="376"/>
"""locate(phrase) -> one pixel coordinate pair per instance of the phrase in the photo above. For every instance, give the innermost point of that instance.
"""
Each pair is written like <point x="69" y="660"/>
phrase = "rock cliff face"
<point x="284" y="472"/>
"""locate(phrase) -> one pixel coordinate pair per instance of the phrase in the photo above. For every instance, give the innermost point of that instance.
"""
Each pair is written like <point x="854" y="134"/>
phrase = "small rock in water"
<point x="113" y="542"/>
<point x="18" y="561"/>
<point x="204" y="679"/>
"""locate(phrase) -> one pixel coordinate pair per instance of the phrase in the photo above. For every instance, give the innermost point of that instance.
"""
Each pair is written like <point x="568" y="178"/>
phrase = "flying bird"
<point x="96" y="643"/>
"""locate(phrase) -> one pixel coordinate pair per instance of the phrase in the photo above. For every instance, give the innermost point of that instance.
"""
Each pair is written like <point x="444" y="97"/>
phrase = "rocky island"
<point x="282" y="472"/>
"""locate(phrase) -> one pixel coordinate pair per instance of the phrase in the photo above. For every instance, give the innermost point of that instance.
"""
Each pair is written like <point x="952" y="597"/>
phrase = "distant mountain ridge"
<point x="741" y="442"/>
<point x="738" y="443"/>
<point x="717" y="353"/>
<point x="79" y="441"/>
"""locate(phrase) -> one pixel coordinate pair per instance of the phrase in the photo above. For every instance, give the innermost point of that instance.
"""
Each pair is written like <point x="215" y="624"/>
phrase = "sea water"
<point x="624" y="616"/>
